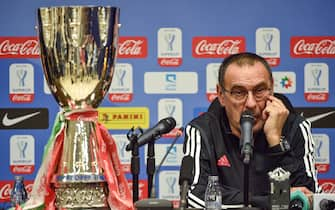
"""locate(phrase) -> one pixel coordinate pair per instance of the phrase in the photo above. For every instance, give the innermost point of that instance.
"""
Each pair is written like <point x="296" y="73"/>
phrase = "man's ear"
<point x="220" y="94"/>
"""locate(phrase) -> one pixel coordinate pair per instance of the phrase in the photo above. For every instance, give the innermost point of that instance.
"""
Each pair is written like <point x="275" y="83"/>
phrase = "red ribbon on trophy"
<point x="43" y="193"/>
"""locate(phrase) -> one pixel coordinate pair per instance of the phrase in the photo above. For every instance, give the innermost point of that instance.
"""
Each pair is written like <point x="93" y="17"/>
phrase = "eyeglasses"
<point x="241" y="94"/>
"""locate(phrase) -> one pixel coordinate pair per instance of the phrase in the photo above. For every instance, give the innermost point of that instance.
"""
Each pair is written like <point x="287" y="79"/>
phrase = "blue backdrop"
<point x="168" y="57"/>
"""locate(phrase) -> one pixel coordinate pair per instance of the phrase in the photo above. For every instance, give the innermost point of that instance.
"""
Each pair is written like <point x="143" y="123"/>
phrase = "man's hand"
<point x="275" y="114"/>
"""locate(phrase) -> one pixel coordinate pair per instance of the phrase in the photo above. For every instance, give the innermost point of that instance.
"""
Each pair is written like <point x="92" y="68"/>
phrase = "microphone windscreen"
<point x="186" y="170"/>
<point x="167" y="124"/>
<point x="300" y="196"/>
<point x="247" y="115"/>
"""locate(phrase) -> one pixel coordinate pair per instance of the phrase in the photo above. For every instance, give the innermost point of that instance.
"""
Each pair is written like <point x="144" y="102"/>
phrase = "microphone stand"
<point x="135" y="161"/>
<point x="150" y="165"/>
<point x="153" y="189"/>
<point x="152" y="202"/>
<point x="246" y="152"/>
<point x="246" y="185"/>
<point x="246" y="155"/>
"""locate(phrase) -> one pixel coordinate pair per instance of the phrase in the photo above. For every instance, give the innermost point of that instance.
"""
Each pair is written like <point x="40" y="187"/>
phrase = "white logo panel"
<point x="170" y="82"/>
<point x="121" y="143"/>
<point x="268" y="45"/>
<point x="268" y="42"/>
<point x="21" y="78"/>
<point x="171" y="107"/>
<point x="169" y="42"/>
<point x="316" y="82"/>
<point x="322" y="152"/>
<point x="122" y="79"/>
<point x="22" y="150"/>
<point x="168" y="185"/>
<point x="21" y="82"/>
<point x="212" y="71"/>
<point x="316" y="77"/>
<point x="284" y="82"/>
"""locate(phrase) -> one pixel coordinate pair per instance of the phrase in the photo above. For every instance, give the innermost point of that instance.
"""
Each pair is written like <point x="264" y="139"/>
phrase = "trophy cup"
<point x="78" y="47"/>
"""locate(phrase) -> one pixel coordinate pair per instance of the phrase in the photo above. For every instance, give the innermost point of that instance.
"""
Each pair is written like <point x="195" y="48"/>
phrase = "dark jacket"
<point x="224" y="148"/>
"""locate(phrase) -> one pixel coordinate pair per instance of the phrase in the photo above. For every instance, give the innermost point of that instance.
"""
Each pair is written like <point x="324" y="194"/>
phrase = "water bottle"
<point x="213" y="194"/>
<point x="18" y="194"/>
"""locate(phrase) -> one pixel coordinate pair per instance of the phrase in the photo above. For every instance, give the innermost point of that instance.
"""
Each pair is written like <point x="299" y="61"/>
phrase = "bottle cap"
<point x="213" y="178"/>
<point x="18" y="178"/>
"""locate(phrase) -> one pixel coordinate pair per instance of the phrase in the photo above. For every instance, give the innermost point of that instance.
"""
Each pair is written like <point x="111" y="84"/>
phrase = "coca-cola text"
<point x="19" y="47"/>
<point x="313" y="47"/>
<point x="217" y="47"/>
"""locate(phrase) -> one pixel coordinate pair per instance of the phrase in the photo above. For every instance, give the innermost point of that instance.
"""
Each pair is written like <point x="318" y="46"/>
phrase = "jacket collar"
<point x="220" y="112"/>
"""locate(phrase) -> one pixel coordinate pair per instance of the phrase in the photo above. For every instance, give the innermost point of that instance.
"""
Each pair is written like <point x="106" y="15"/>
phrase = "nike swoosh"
<point x="319" y="116"/>
<point x="9" y="122"/>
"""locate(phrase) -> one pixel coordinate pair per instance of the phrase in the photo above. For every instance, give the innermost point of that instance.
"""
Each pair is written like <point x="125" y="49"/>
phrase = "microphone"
<point x="326" y="204"/>
<point x="185" y="179"/>
<point x="246" y="123"/>
<point x="299" y="201"/>
<point x="163" y="126"/>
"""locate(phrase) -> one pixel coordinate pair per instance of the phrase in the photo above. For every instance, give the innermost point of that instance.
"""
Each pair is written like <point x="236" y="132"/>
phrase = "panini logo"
<point x="124" y="117"/>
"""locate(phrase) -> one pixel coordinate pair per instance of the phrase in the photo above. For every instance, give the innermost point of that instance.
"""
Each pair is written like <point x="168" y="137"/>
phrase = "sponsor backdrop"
<point x="168" y="57"/>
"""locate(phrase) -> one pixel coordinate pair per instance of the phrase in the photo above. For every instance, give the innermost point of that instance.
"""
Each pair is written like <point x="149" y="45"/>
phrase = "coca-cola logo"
<point x="170" y="62"/>
<point x="217" y="47"/>
<point x="316" y="97"/>
<point x="313" y="47"/>
<point x="119" y="97"/>
<point x="328" y="187"/>
<point x="322" y="168"/>
<point x="21" y="98"/>
<point x="5" y="192"/>
<point x="19" y="47"/>
<point x="273" y="61"/>
<point x="22" y="169"/>
<point x="132" y="47"/>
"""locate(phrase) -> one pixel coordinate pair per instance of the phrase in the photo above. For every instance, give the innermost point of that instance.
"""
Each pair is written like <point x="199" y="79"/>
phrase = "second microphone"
<point x="162" y="127"/>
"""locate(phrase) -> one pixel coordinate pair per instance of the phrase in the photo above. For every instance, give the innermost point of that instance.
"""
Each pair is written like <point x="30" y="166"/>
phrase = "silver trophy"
<point x="78" y="47"/>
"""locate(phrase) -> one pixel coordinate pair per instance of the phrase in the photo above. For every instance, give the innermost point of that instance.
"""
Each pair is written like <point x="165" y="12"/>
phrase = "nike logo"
<point x="318" y="117"/>
<point x="12" y="121"/>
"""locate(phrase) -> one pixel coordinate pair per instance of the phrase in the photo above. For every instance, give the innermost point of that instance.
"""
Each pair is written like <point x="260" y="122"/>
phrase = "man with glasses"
<point x="281" y="138"/>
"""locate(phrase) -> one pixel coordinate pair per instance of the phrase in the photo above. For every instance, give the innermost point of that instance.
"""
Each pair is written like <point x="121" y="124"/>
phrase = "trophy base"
<point x="81" y="195"/>
<point x="96" y="208"/>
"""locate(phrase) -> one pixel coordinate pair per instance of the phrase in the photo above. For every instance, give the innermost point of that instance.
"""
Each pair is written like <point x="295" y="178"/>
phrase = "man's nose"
<point x="251" y="101"/>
